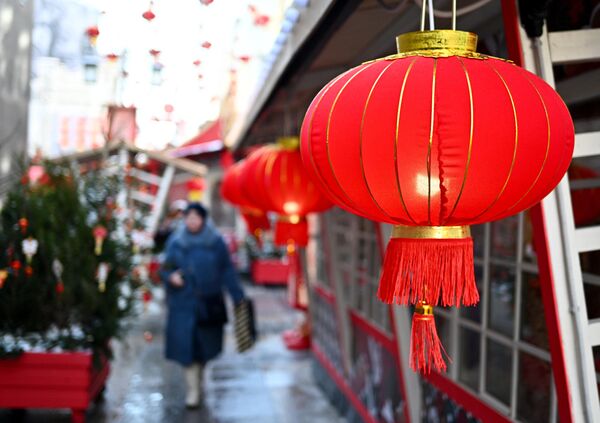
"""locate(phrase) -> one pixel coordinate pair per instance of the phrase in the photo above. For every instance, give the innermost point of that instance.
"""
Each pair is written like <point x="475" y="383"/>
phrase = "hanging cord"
<point x="431" y="19"/>
<point x="453" y="15"/>
<point x="460" y="12"/>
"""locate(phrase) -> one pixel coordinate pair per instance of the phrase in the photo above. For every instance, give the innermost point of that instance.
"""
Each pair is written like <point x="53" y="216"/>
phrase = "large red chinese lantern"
<point x="431" y="140"/>
<point x="231" y="190"/>
<point x="274" y="179"/>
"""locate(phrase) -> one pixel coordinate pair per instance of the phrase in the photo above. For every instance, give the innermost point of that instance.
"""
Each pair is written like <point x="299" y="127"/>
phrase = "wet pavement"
<point x="267" y="384"/>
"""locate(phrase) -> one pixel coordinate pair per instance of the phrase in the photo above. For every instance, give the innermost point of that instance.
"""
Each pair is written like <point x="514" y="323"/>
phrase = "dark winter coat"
<point x="207" y="270"/>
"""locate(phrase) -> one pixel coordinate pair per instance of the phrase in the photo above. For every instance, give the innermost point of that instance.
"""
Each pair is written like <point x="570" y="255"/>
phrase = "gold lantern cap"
<point x="438" y="41"/>
<point x="288" y="143"/>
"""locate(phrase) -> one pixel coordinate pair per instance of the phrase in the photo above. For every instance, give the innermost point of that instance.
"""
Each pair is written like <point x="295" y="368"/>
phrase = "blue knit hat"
<point x="198" y="208"/>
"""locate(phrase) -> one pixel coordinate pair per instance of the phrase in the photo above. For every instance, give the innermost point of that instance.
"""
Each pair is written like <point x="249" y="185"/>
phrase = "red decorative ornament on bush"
<point x="100" y="233"/>
<point x="274" y="179"/>
<point x="23" y="225"/>
<point x="231" y="190"/>
<point x="37" y="176"/>
<point x="431" y="140"/>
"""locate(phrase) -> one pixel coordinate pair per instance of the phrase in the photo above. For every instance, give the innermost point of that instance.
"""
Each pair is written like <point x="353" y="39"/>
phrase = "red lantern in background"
<point x="154" y="53"/>
<point x="149" y="15"/>
<point x="433" y="139"/>
<point x="197" y="62"/>
<point x="231" y="190"/>
<point x="195" y="187"/>
<point x="274" y="179"/>
<point x="92" y="32"/>
<point x="206" y="45"/>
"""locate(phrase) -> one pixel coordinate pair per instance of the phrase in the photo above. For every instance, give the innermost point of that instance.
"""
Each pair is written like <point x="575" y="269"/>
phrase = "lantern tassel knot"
<point x="426" y="349"/>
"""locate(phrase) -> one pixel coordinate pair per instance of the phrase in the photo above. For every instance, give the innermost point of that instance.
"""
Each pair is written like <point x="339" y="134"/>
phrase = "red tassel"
<point x="438" y="271"/>
<point x="425" y="347"/>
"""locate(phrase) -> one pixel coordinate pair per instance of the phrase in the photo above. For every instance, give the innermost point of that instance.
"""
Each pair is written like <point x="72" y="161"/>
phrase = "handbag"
<point x="245" y="325"/>
<point x="212" y="311"/>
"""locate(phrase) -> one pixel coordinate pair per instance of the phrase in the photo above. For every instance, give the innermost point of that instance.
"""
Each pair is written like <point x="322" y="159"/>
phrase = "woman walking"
<point x="196" y="271"/>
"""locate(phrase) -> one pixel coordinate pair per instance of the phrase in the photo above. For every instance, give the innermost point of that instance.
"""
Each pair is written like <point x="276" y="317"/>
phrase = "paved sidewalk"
<point x="265" y="385"/>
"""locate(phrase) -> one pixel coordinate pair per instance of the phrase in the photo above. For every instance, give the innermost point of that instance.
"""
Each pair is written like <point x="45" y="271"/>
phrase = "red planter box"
<point x="270" y="272"/>
<point x="49" y="380"/>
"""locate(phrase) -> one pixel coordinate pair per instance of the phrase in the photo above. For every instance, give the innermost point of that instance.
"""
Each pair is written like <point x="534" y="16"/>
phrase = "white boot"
<point x="192" y="378"/>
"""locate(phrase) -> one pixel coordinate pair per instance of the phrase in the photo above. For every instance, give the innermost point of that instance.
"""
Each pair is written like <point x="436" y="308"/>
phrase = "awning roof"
<point x="209" y="140"/>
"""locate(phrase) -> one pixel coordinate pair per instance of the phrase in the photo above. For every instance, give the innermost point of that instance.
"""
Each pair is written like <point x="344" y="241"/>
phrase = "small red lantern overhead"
<point x="206" y="2"/>
<point x="274" y="179"/>
<point x="92" y="32"/>
<point x="149" y="15"/>
<point x="258" y="18"/>
<point x="433" y="139"/>
<point x="206" y="45"/>
<point x="112" y="57"/>
<point x="195" y="187"/>
<point x="231" y="190"/>
<point x="197" y="62"/>
<point x="245" y="58"/>
<point x="154" y="53"/>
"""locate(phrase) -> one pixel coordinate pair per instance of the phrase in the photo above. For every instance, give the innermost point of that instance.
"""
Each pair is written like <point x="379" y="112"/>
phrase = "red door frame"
<point x="540" y="241"/>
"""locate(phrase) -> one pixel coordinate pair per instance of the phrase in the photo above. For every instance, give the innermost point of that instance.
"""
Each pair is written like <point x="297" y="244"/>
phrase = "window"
<point x="500" y="347"/>
<point x="357" y="258"/>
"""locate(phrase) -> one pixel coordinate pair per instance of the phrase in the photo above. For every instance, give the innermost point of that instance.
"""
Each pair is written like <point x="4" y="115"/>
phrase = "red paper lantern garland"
<point x="231" y="190"/>
<point x="275" y="180"/>
<point x="432" y="139"/>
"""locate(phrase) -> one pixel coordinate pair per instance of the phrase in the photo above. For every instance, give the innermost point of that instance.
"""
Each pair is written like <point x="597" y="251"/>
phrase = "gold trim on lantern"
<point x="431" y="232"/>
<point x="438" y="40"/>
<point x="437" y="43"/>
<point x="424" y="309"/>
<point x="288" y="143"/>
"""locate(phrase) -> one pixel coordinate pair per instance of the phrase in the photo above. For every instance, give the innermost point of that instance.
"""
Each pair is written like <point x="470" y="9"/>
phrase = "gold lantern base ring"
<point x="431" y="232"/>
<point x="429" y="264"/>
